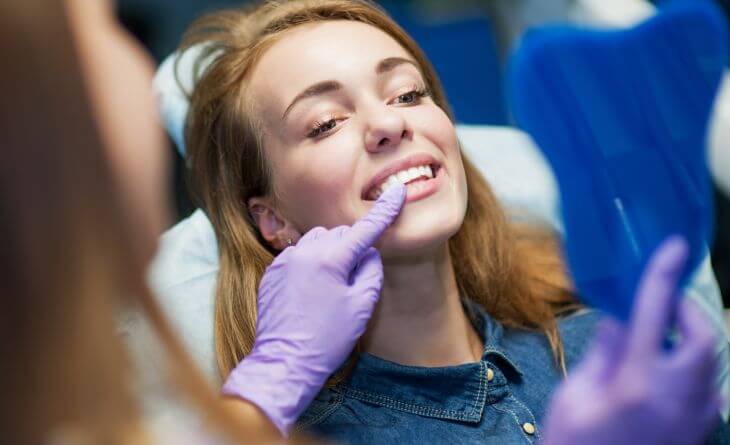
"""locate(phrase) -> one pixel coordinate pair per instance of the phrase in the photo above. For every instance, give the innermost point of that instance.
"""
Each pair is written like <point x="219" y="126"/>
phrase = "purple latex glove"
<point x="630" y="390"/>
<point x="314" y="303"/>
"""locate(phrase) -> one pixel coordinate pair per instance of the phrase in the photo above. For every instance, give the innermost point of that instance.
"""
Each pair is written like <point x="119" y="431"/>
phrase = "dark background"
<point x="472" y="26"/>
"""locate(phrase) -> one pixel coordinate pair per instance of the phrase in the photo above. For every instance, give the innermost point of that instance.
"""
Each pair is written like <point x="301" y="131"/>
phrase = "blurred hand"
<point x="629" y="389"/>
<point x="315" y="301"/>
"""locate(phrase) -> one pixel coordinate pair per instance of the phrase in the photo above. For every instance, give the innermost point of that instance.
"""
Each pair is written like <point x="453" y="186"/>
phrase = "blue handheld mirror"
<point x="622" y="117"/>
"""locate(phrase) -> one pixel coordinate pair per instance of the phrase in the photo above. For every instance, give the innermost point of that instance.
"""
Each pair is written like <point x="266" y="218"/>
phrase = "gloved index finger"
<point x="366" y="231"/>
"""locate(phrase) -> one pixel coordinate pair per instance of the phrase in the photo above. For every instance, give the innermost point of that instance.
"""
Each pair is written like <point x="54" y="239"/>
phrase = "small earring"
<point x="288" y="241"/>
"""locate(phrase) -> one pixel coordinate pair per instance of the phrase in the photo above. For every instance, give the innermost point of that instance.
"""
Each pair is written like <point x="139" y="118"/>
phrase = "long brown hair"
<point x="66" y="261"/>
<point x="515" y="272"/>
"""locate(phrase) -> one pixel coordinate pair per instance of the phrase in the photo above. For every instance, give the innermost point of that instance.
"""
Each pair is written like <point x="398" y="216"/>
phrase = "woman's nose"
<point x="386" y="129"/>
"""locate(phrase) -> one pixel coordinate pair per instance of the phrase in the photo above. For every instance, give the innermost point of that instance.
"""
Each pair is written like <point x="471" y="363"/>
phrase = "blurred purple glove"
<point x="628" y="389"/>
<point x="314" y="303"/>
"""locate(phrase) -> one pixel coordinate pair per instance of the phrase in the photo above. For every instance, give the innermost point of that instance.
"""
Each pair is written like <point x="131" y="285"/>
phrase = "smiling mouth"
<point x="414" y="178"/>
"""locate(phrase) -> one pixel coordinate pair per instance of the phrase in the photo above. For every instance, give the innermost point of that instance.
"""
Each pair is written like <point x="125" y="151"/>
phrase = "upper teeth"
<point x="401" y="177"/>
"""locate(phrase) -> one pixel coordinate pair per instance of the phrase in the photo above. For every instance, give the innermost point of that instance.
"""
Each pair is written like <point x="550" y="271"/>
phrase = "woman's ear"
<point x="276" y="230"/>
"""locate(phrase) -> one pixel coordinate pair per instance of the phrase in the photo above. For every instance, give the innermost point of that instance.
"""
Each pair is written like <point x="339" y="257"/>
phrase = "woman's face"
<point x="118" y="74"/>
<point x="344" y="107"/>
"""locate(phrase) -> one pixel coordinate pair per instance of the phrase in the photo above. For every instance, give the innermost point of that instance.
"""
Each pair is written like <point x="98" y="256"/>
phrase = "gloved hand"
<point x="630" y="390"/>
<point x="314" y="303"/>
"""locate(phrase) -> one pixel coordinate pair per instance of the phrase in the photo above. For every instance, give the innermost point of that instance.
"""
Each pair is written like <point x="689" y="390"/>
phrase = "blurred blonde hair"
<point x="514" y="271"/>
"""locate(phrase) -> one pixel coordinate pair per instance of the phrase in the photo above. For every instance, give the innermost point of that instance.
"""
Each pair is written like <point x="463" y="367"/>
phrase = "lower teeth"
<point x="415" y="184"/>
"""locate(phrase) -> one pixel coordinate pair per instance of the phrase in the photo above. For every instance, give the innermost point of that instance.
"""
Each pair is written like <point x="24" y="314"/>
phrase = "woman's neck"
<point x="419" y="320"/>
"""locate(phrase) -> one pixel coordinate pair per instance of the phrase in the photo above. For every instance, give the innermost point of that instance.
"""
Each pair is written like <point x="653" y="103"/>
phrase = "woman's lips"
<point x="415" y="160"/>
<point x="421" y="187"/>
<point x="424" y="188"/>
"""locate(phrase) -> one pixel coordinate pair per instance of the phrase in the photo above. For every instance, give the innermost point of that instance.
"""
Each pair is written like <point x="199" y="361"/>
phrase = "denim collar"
<point x="453" y="392"/>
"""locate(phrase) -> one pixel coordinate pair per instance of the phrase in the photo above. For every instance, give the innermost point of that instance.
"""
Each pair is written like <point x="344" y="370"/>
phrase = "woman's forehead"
<point x="341" y="50"/>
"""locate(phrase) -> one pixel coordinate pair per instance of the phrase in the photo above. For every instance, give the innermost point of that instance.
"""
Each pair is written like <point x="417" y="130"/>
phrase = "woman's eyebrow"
<point x="328" y="86"/>
<point x="314" y="90"/>
<point x="388" y="64"/>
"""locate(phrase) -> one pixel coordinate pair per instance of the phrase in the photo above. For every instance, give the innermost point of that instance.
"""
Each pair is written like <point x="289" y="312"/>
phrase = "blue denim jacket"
<point x="499" y="400"/>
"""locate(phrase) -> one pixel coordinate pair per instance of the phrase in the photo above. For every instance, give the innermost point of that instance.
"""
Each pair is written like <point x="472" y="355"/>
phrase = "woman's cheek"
<point x="436" y="126"/>
<point x="319" y="195"/>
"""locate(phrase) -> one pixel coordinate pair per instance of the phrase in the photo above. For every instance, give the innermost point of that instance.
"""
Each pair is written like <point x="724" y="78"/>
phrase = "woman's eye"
<point x="411" y="97"/>
<point x="322" y="127"/>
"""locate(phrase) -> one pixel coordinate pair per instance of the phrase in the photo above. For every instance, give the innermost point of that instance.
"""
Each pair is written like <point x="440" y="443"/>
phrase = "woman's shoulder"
<point x="533" y="351"/>
<point x="576" y="331"/>
<point x="579" y="322"/>
<point x="573" y="326"/>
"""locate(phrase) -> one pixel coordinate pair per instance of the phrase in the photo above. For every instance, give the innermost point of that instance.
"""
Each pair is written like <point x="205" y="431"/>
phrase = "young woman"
<point x="309" y="112"/>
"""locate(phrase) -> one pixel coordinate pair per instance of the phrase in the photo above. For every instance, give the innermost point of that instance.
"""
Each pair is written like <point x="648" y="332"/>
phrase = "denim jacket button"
<point x="490" y="374"/>
<point x="528" y="428"/>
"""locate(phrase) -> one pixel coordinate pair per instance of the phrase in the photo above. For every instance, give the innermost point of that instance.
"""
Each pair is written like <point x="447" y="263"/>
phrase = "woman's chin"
<point x="425" y="225"/>
<point x="411" y="238"/>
